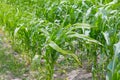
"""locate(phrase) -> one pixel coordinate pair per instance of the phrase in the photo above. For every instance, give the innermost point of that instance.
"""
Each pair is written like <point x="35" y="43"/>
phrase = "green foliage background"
<point x="51" y="28"/>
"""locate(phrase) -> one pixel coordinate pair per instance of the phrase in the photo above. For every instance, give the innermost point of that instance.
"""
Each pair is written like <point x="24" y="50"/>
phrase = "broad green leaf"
<point x="117" y="48"/>
<point x="63" y="52"/>
<point x="16" y="30"/>
<point x="106" y="36"/>
<point x="88" y="12"/>
<point x="112" y="66"/>
<point x="45" y="32"/>
<point x="81" y="25"/>
<point x="84" y="37"/>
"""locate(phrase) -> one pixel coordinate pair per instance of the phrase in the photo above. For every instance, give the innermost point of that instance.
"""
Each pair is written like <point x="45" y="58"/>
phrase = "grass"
<point x="8" y="63"/>
<point x="74" y="29"/>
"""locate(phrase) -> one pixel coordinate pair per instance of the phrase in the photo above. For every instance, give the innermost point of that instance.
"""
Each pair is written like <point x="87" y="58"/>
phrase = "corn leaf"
<point x="84" y="37"/>
<point x="63" y="52"/>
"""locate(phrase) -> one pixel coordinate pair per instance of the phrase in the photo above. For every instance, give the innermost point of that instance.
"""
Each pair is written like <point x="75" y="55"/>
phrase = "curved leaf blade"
<point x="63" y="52"/>
<point x="82" y="36"/>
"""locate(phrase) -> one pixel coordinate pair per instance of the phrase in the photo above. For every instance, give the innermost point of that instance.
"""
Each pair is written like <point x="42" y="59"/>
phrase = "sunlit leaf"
<point x="16" y="30"/>
<point x="106" y="36"/>
<point x="117" y="48"/>
<point x="84" y="37"/>
<point x="63" y="52"/>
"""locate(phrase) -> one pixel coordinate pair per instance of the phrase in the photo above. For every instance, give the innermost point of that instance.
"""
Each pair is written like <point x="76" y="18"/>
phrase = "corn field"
<point x="79" y="31"/>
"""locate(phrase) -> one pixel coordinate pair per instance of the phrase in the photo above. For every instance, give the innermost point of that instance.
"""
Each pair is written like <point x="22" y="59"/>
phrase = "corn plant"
<point x="50" y="28"/>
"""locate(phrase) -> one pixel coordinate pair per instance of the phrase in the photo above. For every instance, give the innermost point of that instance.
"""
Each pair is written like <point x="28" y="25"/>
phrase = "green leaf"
<point x="16" y="30"/>
<point x="63" y="52"/>
<point x="45" y="32"/>
<point x="106" y="36"/>
<point x="117" y="48"/>
<point x="82" y="26"/>
<point x="112" y="66"/>
<point x="84" y="37"/>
